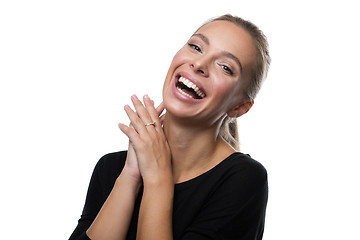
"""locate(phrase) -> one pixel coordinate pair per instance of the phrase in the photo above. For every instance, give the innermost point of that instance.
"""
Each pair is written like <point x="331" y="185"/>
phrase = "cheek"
<point x="226" y="92"/>
<point x="179" y="58"/>
<point x="177" y="61"/>
<point x="224" y="87"/>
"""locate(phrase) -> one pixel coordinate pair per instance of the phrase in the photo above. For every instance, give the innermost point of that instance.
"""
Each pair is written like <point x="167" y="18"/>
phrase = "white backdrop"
<point x="67" y="68"/>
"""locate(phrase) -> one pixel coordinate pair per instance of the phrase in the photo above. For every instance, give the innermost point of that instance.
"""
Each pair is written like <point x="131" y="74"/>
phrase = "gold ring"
<point x="148" y="124"/>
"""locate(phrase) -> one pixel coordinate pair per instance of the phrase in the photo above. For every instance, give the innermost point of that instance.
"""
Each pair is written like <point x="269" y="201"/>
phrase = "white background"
<point x="67" y="68"/>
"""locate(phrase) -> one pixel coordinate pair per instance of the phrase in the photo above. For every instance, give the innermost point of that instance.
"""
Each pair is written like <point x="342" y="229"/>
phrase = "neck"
<point x="194" y="149"/>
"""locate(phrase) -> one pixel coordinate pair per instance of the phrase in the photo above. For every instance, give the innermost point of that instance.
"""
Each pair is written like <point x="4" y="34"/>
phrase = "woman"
<point x="182" y="177"/>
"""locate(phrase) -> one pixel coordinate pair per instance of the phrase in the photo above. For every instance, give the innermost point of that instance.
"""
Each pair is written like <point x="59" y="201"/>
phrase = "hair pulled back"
<point x="229" y="128"/>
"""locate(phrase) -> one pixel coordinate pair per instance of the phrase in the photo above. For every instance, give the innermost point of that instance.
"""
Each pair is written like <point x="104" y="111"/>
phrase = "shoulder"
<point x="232" y="198"/>
<point x="240" y="170"/>
<point x="113" y="159"/>
<point x="110" y="165"/>
<point x="244" y="164"/>
<point x="102" y="181"/>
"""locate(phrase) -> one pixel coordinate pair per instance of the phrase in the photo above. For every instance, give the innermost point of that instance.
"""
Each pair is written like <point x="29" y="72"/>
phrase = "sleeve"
<point x="100" y="186"/>
<point x="236" y="209"/>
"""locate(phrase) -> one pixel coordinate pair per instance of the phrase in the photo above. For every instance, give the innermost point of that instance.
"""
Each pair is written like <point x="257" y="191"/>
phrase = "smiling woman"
<point x="182" y="176"/>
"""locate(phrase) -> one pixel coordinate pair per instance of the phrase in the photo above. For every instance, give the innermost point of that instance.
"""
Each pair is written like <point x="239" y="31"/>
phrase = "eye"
<point x="227" y="69"/>
<point x="195" y="47"/>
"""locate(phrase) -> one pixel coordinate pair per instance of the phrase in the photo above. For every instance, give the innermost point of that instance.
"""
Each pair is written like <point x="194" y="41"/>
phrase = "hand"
<point x="148" y="154"/>
<point x="131" y="165"/>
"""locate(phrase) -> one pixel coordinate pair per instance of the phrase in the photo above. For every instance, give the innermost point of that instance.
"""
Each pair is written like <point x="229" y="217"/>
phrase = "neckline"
<point x="180" y="184"/>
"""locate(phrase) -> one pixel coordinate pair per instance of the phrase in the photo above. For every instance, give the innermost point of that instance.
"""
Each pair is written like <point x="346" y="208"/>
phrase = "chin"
<point x="179" y="110"/>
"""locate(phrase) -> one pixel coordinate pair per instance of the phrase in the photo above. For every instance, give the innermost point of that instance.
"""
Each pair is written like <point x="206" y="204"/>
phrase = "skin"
<point x="184" y="143"/>
<point x="205" y="62"/>
<point x="192" y="129"/>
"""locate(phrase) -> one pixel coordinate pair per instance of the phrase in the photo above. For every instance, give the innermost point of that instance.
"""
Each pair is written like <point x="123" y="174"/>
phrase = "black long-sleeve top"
<point x="226" y="202"/>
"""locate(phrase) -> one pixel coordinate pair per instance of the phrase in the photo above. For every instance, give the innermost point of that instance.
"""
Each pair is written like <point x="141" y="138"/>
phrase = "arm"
<point x="102" y="182"/>
<point x="112" y="222"/>
<point x="154" y="159"/>
<point x="114" y="218"/>
<point x="155" y="217"/>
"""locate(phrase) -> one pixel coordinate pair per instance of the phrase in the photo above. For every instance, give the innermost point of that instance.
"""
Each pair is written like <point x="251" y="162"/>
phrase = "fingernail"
<point x="146" y="97"/>
<point x="134" y="97"/>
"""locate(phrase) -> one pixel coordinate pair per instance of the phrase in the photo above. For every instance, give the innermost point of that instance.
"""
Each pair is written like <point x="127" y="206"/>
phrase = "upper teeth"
<point x="190" y="84"/>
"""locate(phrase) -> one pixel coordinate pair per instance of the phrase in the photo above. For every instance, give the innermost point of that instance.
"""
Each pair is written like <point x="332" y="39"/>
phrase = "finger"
<point x="154" y="113"/>
<point x="135" y="120"/>
<point x="141" y="111"/>
<point x="149" y="105"/>
<point x="129" y="132"/>
<point x="160" y="108"/>
<point x="162" y="117"/>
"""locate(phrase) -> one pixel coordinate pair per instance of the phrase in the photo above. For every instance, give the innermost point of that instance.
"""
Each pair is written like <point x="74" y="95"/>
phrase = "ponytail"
<point x="229" y="132"/>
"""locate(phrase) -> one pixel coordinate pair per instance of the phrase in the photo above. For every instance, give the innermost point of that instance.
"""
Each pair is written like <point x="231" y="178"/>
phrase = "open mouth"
<point x="189" y="89"/>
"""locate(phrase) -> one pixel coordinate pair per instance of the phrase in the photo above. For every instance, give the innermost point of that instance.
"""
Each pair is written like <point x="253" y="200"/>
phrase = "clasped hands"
<point x="149" y="155"/>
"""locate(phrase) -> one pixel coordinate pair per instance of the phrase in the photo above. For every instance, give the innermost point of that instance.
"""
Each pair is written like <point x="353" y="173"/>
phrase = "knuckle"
<point x="136" y="121"/>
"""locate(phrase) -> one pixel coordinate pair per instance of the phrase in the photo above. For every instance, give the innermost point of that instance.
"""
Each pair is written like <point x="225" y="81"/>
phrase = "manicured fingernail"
<point x="146" y="97"/>
<point x="134" y="97"/>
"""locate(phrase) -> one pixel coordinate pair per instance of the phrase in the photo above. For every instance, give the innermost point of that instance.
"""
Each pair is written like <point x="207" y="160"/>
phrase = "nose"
<point x="200" y="65"/>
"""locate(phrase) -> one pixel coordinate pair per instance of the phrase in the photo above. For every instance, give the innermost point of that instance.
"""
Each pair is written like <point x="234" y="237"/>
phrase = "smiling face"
<point x="207" y="77"/>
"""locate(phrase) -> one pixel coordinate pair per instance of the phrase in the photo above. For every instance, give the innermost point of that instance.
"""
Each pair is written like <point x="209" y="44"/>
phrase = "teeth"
<point x="184" y="92"/>
<point x="189" y="84"/>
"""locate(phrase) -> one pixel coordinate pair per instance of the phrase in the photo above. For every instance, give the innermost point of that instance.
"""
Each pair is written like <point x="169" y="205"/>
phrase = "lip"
<point x="182" y="96"/>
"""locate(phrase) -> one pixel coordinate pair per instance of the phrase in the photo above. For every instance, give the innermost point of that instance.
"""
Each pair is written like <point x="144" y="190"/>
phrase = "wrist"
<point x="158" y="181"/>
<point x="130" y="180"/>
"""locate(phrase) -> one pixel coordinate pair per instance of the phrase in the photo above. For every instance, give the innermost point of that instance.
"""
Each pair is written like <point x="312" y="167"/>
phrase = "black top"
<point x="226" y="202"/>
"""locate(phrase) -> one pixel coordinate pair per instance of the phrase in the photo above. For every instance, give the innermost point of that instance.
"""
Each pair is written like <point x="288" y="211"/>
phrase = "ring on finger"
<point x="149" y="124"/>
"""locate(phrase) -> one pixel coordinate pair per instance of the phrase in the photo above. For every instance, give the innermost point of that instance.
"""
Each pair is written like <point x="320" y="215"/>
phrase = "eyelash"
<point x="195" y="47"/>
<point x="227" y="69"/>
<point x="224" y="67"/>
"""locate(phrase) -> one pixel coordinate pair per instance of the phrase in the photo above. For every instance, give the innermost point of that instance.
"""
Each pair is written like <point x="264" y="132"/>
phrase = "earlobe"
<point x="241" y="109"/>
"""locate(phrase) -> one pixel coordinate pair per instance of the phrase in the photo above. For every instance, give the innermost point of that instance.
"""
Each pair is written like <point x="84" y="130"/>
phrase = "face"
<point x="206" y="78"/>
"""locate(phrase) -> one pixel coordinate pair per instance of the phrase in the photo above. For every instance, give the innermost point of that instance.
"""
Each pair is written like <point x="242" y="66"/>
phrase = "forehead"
<point x="226" y="36"/>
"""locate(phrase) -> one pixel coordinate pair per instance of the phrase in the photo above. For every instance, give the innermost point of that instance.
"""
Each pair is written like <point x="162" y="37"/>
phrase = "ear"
<point x="241" y="109"/>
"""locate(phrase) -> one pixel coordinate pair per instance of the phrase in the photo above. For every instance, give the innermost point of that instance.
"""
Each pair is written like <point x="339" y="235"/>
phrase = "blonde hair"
<point x="229" y="128"/>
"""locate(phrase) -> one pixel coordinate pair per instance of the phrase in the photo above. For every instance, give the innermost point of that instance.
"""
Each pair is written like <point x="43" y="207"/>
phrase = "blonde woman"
<point x="183" y="176"/>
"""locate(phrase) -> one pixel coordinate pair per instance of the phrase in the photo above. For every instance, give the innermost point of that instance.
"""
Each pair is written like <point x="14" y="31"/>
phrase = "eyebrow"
<point x="225" y="53"/>
<point x="202" y="37"/>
